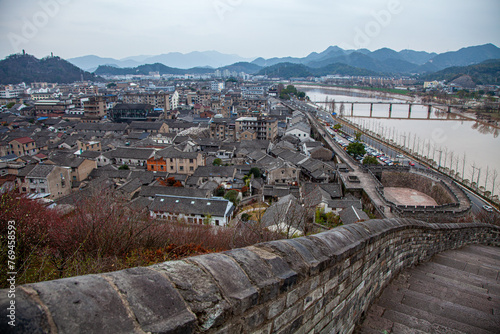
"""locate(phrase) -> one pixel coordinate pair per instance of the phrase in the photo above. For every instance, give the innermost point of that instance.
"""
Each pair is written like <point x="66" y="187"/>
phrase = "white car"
<point x="488" y="208"/>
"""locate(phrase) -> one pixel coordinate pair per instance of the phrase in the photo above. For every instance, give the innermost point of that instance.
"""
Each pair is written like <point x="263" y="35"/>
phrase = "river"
<point x="455" y="139"/>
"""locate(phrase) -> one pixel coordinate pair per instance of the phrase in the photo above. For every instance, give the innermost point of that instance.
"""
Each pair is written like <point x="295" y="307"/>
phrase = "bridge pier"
<point x="371" y="109"/>
<point x="429" y="111"/>
<point x="409" y="110"/>
<point x="390" y="110"/>
<point x="449" y="109"/>
<point x="352" y="109"/>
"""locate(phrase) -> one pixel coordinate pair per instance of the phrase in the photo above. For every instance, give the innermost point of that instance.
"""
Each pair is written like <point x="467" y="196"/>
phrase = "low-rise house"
<point x="352" y="215"/>
<point x="283" y="173"/>
<point x="301" y="131"/>
<point x="80" y="167"/>
<point x="172" y="160"/>
<point x="321" y="153"/>
<point x="151" y="127"/>
<point x="23" y="146"/>
<point x="101" y="128"/>
<point x="219" y="174"/>
<point x="195" y="210"/>
<point x="89" y="145"/>
<point x="49" y="179"/>
<point x="129" y="156"/>
<point x="286" y="216"/>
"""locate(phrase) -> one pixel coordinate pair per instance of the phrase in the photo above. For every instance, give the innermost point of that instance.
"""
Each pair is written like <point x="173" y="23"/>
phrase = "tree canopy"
<point x="369" y="160"/>
<point x="356" y="149"/>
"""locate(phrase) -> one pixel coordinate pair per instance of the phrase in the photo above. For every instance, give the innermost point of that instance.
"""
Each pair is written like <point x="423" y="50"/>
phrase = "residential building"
<point x="173" y="160"/>
<point x="125" y="112"/>
<point x="151" y="127"/>
<point x="88" y="145"/>
<point x="23" y="146"/>
<point x="223" y="128"/>
<point x="194" y="210"/>
<point x="49" y="179"/>
<point x="265" y="128"/>
<point x="94" y="107"/>
<point x="158" y="100"/>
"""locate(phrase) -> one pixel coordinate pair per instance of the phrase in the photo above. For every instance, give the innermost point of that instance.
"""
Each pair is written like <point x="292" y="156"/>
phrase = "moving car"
<point x="488" y="208"/>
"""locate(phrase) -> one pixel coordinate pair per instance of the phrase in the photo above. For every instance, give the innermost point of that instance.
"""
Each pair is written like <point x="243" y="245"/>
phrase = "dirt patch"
<point x="407" y="196"/>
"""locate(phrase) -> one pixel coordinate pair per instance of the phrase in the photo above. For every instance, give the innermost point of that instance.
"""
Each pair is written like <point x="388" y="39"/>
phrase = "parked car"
<point x="411" y="163"/>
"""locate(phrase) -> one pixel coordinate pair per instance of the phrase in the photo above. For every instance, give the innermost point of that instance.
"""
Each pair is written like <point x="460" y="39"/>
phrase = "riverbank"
<point x="409" y="99"/>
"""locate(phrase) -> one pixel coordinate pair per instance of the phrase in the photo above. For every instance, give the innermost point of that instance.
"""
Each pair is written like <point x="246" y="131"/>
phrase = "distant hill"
<point x="248" y="68"/>
<point x="245" y="67"/>
<point x="487" y="72"/>
<point x="290" y="70"/>
<point x="388" y="61"/>
<point x="146" y="69"/>
<point x="465" y="56"/>
<point x="173" y="59"/>
<point x="286" y="71"/>
<point x="26" y="68"/>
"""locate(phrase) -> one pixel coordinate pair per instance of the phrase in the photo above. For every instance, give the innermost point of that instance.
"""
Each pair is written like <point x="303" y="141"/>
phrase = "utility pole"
<point x="477" y="182"/>
<point x="494" y="179"/>
<point x="486" y="178"/>
<point x="440" y="152"/>
<point x="473" y="172"/>
<point x="463" y="168"/>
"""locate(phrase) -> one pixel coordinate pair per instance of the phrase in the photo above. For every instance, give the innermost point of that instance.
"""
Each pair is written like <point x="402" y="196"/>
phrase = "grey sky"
<point x="249" y="28"/>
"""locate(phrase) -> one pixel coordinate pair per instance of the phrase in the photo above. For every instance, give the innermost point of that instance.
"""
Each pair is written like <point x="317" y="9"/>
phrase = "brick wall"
<point x="317" y="284"/>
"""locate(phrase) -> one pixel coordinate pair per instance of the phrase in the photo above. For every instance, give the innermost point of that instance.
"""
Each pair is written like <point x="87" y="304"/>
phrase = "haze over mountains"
<point x="481" y="63"/>
<point x="384" y="60"/>
<point x="212" y="59"/>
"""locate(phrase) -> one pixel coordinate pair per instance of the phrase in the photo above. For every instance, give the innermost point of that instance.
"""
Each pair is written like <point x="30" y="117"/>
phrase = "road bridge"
<point x="429" y="106"/>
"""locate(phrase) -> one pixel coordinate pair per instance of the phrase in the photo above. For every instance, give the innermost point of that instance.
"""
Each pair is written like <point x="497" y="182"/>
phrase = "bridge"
<point x="324" y="283"/>
<point x="390" y="104"/>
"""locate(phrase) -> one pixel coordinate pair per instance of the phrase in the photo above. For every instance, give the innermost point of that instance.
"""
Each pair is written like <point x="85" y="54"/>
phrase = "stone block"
<point x="199" y="290"/>
<point x="85" y="304"/>
<point x="29" y="317"/>
<point x="289" y="254"/>
<point x="258" y="271"/>
<point x="156" y="304"/>
<point x="233" y="281"/>
<point x="276" y="307"/>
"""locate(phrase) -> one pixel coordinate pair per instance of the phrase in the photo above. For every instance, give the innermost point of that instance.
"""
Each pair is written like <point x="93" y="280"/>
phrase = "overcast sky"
<point x="249" y="28"/>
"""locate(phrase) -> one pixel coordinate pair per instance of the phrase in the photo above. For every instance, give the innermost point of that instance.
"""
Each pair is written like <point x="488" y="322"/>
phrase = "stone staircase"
<point x="457" y="292"/>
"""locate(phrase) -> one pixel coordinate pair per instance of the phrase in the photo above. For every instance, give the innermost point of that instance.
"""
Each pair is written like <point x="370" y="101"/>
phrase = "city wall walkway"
<point x="458" y="291"/>
<point x="356" y="178"/>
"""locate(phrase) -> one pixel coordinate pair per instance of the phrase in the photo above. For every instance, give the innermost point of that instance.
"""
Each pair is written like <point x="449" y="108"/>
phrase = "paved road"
<point x="457" y="292"/>
<point x="365" y="181"/>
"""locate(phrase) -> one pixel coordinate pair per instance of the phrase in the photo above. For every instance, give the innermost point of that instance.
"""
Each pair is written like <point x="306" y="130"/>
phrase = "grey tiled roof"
<point x="192" y="205"/>
<point x="152" y="191"/>
<point x="41" y="171"/>
<point x="351" y="215"/>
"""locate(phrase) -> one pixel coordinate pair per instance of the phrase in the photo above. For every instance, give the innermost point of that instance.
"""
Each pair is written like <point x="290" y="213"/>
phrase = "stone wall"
<point x="322" y="283"/>
<point x="435" y="189"/>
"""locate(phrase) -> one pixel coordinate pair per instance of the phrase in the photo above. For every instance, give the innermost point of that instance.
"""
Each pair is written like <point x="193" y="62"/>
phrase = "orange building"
<point x="172" y="160"/>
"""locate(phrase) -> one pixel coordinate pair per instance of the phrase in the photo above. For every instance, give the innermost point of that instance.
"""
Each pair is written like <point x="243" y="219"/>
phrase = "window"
<point x="171" y="160"/>
<point x="191" y="161"/>
<point x="191" y="168"/>
<point x="42" y="190"/>
<point x="171" y="167"/>
<point x="181" y="167"/>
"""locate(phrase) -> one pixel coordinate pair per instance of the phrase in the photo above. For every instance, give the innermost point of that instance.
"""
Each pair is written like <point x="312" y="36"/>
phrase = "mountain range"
<point x="385" y="60"/>
<point x="480" y="63"/>
<point x="211" y="59"/>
